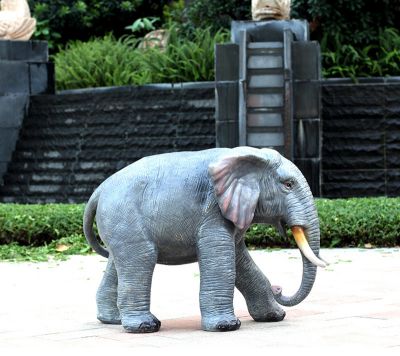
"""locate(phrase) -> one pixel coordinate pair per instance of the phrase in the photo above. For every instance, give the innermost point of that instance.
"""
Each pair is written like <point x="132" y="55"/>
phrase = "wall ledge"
<point x="128" y="88"/>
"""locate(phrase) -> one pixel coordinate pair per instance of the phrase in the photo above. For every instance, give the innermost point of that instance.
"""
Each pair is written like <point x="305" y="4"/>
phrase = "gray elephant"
<point x="183" y="207"/>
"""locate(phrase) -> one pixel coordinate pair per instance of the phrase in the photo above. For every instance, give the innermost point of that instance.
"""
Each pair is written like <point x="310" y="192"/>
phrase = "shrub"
<point x="358" y="38"/>
<point x="39" y="224"/>
<point x="356" y="222"/>
<point x="99" y="62"/>
<point x="185" y="60"/>
<point x="111" y="62"/>
<point x="381" y="59"/>
<point x="344" y="222"/>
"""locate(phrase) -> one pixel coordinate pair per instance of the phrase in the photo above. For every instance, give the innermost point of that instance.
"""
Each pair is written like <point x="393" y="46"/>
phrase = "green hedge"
<point x="37" y="225"/>
<point x="344" y="222"/>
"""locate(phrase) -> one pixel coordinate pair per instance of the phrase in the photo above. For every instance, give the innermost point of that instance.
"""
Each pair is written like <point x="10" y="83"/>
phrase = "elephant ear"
<point x="236" y="179"/>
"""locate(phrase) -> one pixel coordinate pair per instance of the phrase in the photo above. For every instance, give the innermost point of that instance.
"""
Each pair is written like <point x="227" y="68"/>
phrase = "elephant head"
<point x="261" y="186"/>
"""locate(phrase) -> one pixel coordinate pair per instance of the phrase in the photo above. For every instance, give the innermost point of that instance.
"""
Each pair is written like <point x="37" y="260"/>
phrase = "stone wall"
<point x="24" y="71"/>
<point x="361" y="139"/>
<point x="71" y="142"/>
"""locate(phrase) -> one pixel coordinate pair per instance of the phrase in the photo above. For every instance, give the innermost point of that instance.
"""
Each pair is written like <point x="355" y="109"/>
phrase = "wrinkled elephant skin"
<point x="182" y="207"/>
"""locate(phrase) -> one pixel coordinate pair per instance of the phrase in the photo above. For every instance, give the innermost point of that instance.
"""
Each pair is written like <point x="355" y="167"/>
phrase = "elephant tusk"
<point x="304" y="247"/>
<point x="324" y="260"/>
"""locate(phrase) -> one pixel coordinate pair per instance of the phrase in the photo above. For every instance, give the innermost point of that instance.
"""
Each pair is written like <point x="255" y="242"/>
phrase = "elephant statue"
<point x="182" y="207"/>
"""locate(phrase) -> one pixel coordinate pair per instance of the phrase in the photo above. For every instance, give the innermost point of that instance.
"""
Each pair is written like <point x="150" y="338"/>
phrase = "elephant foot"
<point x="114" y="320"/>
<point x="139" y="324"/>
<point x="108" y="314"/>
<point x="277" y="314"/>
<point x="222" y="323"/>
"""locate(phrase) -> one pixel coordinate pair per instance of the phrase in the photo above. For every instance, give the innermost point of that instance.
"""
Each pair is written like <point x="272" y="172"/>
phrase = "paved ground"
<point x="355" y="304"/>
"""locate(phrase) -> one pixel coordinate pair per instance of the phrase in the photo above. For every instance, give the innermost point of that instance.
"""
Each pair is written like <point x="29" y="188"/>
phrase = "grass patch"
<point x="59" y="250"/>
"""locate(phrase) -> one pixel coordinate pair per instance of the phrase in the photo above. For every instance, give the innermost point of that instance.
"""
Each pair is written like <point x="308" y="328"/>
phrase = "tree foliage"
<point x="356" y="22"/>
<point x="60" y="21"/>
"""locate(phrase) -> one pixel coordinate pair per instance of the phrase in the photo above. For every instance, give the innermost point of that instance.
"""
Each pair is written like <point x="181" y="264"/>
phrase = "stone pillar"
<point x="24" y="71"/>
<point x="306" y="59"/>
<point x="227" y="95"/>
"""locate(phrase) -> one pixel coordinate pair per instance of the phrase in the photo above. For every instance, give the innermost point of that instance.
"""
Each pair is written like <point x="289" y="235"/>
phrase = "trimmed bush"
<point x="357" y="222"/>
<point x="344" y="222"/>
<point x="37" y="225"/>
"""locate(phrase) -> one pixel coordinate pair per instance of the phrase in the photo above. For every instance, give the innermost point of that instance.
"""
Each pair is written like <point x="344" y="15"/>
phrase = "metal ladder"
<point x="265" y="100"/>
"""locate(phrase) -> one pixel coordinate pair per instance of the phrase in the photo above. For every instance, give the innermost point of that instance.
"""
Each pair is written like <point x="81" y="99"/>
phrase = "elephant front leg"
<point x="256" y="288"/>
<point x="106" y="297"/>
<point x="217" y="280"/>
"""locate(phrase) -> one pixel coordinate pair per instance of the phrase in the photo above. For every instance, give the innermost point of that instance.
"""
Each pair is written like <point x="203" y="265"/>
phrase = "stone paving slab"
<point x="355" y="304"/>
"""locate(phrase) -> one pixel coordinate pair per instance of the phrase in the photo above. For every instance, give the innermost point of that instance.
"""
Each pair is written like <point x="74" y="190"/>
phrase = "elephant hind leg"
<point x="135" y="261"/>
<point x="106" y="297"/>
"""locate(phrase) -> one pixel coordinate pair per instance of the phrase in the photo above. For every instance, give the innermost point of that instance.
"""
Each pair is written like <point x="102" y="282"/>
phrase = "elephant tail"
<point x="88" y="219"/>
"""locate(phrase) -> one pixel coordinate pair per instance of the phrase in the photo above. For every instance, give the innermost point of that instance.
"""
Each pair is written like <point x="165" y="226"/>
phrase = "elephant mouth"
<point x="302" y="243"/>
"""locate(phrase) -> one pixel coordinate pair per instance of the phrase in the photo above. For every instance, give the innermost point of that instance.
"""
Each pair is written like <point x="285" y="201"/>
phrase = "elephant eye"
<point x="288" y="184"/>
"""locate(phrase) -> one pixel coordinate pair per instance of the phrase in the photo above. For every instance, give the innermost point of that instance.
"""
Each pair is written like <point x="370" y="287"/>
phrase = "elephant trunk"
<point x="310" y="262"/>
